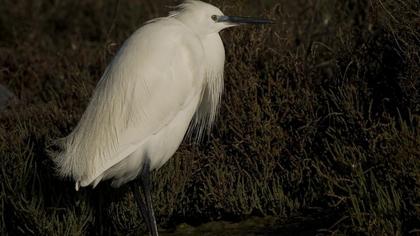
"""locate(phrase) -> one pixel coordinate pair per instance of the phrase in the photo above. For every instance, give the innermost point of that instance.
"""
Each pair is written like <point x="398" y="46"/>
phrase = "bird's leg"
<point x="145" y="181"/>
<point x="141" y="203"/>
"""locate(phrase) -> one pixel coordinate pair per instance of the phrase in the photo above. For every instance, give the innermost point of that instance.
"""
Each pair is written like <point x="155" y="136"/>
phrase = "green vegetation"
<point x="318" y="127"/>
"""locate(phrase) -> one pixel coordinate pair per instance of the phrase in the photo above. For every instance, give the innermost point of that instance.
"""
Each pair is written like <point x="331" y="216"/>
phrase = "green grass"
<point x="318" y="127"/>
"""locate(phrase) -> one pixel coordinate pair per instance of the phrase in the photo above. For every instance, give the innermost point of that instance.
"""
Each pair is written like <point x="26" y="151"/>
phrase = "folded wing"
<point x="157" y="70"/>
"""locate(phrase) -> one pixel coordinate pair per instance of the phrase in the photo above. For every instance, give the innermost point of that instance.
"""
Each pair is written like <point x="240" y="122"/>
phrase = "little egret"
<point x="166" y="78"/>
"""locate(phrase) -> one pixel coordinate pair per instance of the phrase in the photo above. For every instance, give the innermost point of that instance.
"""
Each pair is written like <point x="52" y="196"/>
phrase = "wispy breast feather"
<point x="213" y="86"/>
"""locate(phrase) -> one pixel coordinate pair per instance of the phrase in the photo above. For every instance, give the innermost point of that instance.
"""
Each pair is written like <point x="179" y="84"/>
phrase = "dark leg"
<point x="145" y="202"/>
<point x="146" y="184"/>
<point x="140" y="203"/>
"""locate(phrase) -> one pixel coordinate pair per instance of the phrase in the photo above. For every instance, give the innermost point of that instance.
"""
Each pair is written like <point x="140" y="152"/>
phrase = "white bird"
<point x="166" y="78"/>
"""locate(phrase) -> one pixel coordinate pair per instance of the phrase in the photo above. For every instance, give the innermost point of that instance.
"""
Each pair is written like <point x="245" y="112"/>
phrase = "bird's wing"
<point x="152" y="77"/>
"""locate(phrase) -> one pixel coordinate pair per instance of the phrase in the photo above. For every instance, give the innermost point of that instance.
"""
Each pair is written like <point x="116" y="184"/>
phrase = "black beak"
<point x="238" y="20"/>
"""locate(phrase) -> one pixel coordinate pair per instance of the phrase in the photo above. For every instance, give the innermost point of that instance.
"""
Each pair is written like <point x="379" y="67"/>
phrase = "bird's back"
<point x="157" y="73"/>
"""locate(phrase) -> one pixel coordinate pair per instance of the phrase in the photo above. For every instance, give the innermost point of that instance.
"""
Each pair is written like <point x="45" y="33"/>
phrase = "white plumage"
<point x="167" y="71"/>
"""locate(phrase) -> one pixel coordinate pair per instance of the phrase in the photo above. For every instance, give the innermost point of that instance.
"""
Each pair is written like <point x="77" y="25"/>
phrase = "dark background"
<point x="318" y="131"/>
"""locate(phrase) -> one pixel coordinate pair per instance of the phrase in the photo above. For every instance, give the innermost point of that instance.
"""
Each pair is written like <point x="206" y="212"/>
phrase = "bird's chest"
<point x="162" y="145"/>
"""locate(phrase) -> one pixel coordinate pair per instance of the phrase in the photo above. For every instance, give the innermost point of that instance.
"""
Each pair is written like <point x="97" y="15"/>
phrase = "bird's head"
<point x="205" y="18"/>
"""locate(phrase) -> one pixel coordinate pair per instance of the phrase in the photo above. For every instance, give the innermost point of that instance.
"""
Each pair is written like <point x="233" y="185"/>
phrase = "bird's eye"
<point x="214" y="17"/>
